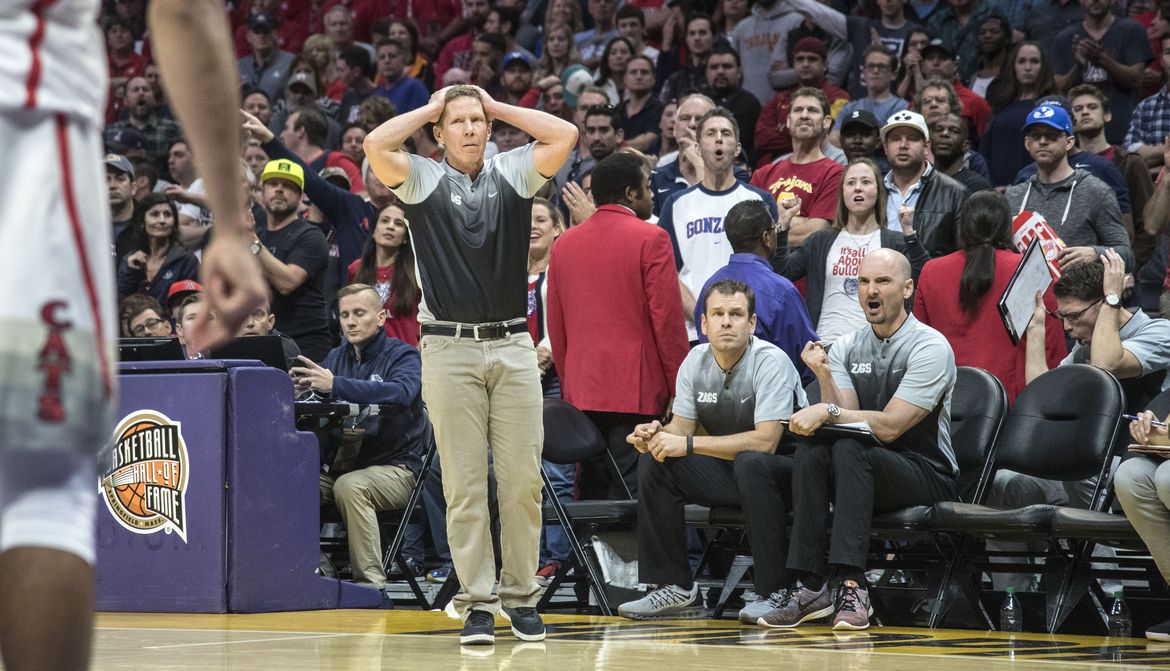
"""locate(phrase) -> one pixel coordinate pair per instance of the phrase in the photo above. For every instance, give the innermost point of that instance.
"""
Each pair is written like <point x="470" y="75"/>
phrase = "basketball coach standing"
<point x="469" y="222"/>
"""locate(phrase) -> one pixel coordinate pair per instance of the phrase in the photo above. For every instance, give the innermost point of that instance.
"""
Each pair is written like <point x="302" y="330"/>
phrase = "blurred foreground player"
<point x="56" y="335"/>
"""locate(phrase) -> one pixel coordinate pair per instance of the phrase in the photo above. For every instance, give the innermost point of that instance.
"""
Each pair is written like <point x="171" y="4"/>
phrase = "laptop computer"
<point x="267" y="349"/>
<point x="150" y="349"/>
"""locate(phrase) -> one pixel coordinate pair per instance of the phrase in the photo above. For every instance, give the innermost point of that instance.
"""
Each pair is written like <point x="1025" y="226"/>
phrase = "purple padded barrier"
<point x="274" y="504"/>
<point x="252" y="511"/>
<point x="159" y="571"/>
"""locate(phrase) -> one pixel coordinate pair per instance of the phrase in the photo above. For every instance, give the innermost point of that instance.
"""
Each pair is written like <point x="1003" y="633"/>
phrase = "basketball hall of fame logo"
<point x="145" y="483"/>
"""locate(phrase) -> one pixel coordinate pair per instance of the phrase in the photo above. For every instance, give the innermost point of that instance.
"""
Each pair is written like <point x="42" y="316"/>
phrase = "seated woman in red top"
<point x="387" y="264"/>
<point x="958" y="295"/>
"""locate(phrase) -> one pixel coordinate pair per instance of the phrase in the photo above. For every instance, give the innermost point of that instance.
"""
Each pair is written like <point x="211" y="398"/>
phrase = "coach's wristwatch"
<point x="254" y="247"/>
<point x="1113" y="300"/>
<point x="834" y="412"/>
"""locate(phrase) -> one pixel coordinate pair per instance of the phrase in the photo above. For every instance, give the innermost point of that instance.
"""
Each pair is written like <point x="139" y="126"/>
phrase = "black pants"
<point x="598" y="480"/>
<point x="859" y="481"/>
<point x="765" y="494"/>
<point x="755" y="480"/>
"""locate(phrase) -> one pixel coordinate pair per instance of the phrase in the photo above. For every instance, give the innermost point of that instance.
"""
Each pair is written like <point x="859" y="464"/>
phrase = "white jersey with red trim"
<point x="52" y="58"/>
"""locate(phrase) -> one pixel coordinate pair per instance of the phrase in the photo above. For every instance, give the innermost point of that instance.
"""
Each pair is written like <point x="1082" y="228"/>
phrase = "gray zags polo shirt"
<point x="762" y="386"/>
<point x="915" y="365"/>
<point x="1146" y="338"/>
<point x="470" y="237"/>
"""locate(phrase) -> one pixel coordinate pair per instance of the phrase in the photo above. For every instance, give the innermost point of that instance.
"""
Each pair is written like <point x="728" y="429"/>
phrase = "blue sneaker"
<point x="439" y="575"/>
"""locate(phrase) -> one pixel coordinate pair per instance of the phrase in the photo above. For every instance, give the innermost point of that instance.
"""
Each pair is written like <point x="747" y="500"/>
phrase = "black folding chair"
<point x="1062" y="427"/>
<point x="570" y="438"/>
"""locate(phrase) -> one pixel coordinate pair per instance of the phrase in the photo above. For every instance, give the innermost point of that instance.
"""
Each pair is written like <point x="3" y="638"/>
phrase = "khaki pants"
<point x="359" y="496"/>
<point x="481" y="396"/>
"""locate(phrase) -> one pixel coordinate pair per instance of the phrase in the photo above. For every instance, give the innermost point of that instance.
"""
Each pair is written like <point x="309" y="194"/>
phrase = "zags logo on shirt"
<point x="457" y="199"/>
<point x="861" y="368"/>
<point x="707" y="397"/>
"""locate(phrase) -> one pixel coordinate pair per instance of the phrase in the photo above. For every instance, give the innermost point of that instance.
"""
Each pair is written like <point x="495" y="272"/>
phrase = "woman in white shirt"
<point x="830" y="257"/>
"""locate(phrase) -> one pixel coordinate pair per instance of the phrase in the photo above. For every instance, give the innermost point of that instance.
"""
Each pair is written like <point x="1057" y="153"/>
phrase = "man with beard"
<point x="580" y="162"/>
<point x="948" y="144"/>
<point x="160" y="132"/>
<point x="603" y="131"/>
<point x="897" y="375"/>
<point x="1151" y="119"/>
<point x="120" y="185"/>
<point x="1109" y="52"/>
<point x="914" y="183"/>
<point x="808" y="174"/>
<point x="725" y="84"/>
<point x="810" y="63"/>
<point x="1080" y="208"/>
<point x="293" y="257"/>
<point x="694" y="216"/>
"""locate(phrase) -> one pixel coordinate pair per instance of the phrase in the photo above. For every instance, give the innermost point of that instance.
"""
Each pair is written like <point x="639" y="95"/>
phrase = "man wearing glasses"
<point x="1132" y="346"/>
<point x="880" y="67"/>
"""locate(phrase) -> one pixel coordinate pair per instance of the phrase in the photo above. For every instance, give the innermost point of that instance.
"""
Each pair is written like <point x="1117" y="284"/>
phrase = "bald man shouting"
<point x="897" y="375"/>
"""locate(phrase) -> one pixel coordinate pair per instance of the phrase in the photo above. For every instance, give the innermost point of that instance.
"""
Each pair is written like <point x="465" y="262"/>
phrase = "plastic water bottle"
<point x="1120" y="624"/>
<point x="1011" y="618"/>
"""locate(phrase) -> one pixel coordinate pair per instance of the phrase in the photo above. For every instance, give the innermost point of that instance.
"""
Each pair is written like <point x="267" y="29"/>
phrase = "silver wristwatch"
<point x="834" y="412"/>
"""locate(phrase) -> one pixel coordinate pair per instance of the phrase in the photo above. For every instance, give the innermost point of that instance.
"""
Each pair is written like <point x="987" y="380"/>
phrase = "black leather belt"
<point x="477" y="332"/>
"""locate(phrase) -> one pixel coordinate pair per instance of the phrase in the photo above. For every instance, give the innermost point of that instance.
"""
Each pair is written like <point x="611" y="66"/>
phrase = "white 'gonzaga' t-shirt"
<point x="841" y="314"/>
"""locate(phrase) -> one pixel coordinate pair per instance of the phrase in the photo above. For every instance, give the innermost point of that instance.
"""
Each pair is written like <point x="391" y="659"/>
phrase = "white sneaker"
<point x="668" y="601"/>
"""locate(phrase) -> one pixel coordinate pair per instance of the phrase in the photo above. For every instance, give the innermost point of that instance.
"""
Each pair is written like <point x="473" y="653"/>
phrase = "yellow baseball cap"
<point x="284" y="169"/>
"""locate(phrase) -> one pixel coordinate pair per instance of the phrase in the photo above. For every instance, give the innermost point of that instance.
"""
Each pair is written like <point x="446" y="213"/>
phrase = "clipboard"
<point x="858" y="431"/>
<point x="1018" y="301"/>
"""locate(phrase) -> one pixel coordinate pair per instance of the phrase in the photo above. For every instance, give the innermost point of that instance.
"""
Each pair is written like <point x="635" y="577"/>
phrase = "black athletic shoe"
<point x="526" y="623"/>
<point x="1159" y="632"/>
<point x="478" y="629"/>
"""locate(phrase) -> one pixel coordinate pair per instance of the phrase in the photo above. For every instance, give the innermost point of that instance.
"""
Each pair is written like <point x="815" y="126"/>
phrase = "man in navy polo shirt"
<point x="781" y="316"/>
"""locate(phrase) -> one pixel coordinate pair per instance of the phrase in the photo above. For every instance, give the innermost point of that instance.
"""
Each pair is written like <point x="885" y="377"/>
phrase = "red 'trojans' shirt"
<point x="815" y="183"/>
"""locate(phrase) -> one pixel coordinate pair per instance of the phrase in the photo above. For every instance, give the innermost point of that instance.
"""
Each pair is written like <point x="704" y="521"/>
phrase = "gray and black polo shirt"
<point x="470" y="237"/>
<point x="762" y="386"/>
<point x="916" y="365"/>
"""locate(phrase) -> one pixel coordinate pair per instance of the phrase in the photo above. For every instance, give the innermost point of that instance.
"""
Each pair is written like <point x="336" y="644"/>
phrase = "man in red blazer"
<point x="615" y="316"/>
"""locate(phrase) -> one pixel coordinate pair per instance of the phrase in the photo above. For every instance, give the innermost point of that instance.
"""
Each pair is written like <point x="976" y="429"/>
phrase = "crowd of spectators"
<point x="835" y="129"/>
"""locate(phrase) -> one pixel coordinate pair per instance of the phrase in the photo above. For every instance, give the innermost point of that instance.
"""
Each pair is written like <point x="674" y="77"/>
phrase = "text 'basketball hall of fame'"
<point x="145" y="483"/>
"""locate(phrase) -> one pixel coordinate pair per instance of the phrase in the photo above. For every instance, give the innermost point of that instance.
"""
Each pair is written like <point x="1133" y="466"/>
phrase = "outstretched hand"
<point x="256" y="128"/>
<point x="232" y="288"/>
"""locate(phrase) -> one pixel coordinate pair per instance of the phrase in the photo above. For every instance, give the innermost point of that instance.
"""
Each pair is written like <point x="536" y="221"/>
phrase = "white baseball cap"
<point x="907" y="119"/>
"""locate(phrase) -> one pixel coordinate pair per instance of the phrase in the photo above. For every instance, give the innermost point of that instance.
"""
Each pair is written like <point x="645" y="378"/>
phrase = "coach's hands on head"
<point x="232" y="288"/>
<point x="256" y="128"/>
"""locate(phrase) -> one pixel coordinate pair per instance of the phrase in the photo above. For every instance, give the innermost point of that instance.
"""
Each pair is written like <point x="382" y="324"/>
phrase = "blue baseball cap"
<point x="517" y="57"/>
<point x="1050" y="115"/>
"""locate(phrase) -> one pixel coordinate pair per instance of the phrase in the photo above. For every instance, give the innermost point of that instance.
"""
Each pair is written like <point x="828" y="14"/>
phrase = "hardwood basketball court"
<point x="429" y="641"/>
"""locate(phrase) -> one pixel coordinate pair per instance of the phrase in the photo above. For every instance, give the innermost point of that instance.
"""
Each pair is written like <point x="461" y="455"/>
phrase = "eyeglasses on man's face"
<point x="1072" y="316"/>
<point x="146" y="326"/>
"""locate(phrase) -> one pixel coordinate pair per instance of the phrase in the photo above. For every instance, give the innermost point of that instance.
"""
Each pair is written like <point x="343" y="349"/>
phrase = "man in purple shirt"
<point x="781" y="316"/>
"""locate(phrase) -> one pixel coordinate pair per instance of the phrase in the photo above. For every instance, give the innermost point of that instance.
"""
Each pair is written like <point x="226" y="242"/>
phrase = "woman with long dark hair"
<point x="611" y="73"/>
<point x="1025" y="78"/>
<point x="831" y="257"/>
<point x="157" y="260"/>
<point x="958" y="295"/>
<point x="387" y="264"/>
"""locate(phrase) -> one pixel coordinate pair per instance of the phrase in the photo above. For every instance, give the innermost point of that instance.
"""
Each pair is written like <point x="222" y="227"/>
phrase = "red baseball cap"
<point x="180" y="290"/>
